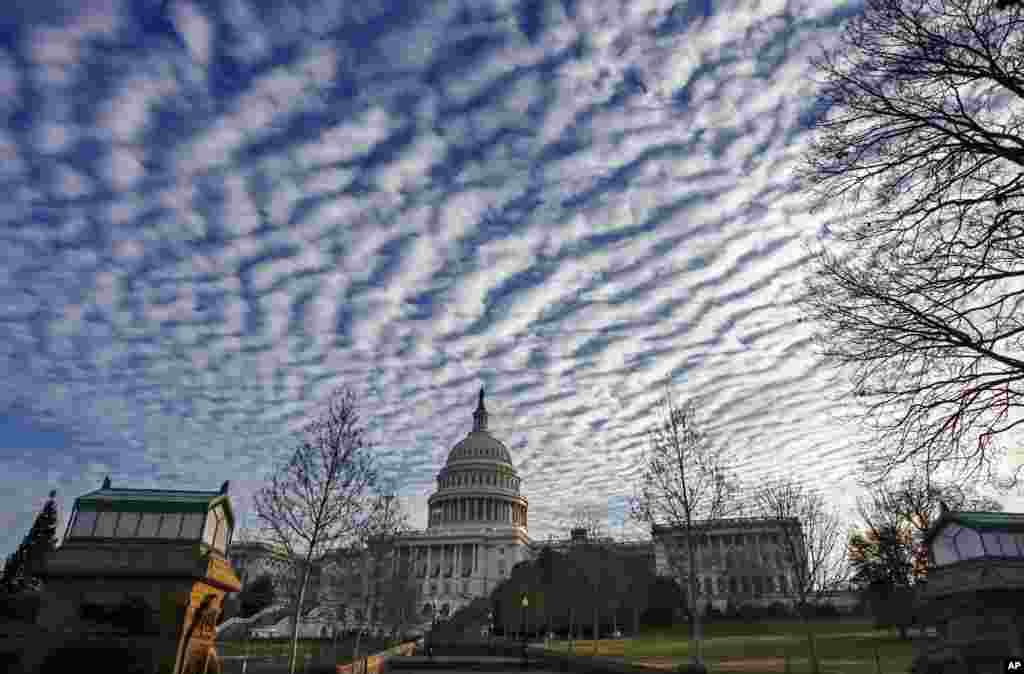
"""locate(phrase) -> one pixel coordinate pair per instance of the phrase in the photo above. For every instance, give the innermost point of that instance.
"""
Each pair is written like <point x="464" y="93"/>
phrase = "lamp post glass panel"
<point x="526" y="603"/>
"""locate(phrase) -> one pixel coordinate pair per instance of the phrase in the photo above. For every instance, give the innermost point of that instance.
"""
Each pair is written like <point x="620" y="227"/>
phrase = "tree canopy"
<point x="22" y="568"/>
<point x="918" y="287"/>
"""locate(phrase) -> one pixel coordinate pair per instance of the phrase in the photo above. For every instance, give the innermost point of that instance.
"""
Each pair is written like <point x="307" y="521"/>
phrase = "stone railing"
<point x="237" y="620"/>
<point x="375" y="664"/>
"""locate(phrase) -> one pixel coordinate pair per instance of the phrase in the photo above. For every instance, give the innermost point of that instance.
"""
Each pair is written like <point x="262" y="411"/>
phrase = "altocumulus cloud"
<point x="215" y="213"/>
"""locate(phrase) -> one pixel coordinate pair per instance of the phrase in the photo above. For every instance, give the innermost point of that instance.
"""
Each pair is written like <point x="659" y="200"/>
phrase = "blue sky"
<point x="215" y="213"/>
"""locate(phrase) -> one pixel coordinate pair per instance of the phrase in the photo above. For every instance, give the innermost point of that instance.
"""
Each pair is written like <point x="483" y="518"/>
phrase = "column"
<point x="458" y="560"/>
<point x="760" y="560"/>
<point x="490" y="509"/>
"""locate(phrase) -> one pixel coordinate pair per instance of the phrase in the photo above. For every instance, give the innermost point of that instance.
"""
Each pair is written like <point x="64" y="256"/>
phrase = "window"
<point x="968" y="544"/>
<point x="148" y="525"/>
<point x="1018" y="539"/>
<point x="84" y="523"/>
<point x="170" y="525"/>
<point x="191" y="526"/>
<point x="105" y="524"/>
<point x="707" y="585"/>
<point x="210" y="528"/>
<point x="126" y="525"/>
<point x="992" y="542"/>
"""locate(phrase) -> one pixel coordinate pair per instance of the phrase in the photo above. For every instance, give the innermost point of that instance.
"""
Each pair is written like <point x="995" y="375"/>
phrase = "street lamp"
<point x="490" y="632"/>
<point x="433" y="627"/>
<point x="525" y="604"/>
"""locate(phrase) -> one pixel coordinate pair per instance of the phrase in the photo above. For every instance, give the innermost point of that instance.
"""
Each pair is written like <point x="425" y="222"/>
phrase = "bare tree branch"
<point x="812" y="545"/>
<point x="920" y="301"/>
<point x="684" y="486"/>
<point x="324" y="497"/>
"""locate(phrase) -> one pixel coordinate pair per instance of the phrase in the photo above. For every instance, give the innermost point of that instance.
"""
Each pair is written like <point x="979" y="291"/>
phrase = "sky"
<point x="214" y="214"/>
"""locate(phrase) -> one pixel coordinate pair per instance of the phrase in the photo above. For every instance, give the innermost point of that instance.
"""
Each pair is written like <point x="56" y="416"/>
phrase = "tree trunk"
<point x="695" y="621"/>
<point x="636" y="621"/>
<point x="812" y="645"/>
<point x="297" y="615"/>
<point x="595" y="633"/>
<point x="572" y="627"/>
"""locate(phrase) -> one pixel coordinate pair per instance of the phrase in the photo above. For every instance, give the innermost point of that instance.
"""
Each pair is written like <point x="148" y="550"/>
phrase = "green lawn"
<point x="313" y="647"/>
<point x="761" y="647"/>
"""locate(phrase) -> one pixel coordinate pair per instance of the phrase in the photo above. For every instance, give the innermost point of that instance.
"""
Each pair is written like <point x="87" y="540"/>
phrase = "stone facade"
<point x="740" y="560"/>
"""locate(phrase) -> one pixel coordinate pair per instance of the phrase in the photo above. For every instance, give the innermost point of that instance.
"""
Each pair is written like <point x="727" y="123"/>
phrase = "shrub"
<point x="20" y="606"/>
<point x="115" y="660"/>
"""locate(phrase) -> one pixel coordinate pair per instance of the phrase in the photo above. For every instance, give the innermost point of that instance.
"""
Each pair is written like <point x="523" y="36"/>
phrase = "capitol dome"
<point x="478" y="483"/>
<point x="479" y="444"/>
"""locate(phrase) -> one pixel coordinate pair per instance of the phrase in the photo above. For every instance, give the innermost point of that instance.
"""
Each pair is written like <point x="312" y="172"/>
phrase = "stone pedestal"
<point x="162" y="604"/>
<point x="980" y="619"/>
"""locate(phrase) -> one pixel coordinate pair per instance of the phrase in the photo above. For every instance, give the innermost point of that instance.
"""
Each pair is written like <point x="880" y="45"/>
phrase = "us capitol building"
<point x="476" y="533"/>
<point x="477" y="524"/>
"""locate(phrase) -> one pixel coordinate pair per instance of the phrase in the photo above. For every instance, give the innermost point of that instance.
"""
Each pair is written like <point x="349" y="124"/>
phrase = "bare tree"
<point x="685" y="487"/>
<point x="324" y="497"/>
<point x="812" y="546"/>
<point x="590" y="517"/>
<point x="910" y="506"/>
<point x="378" y="543"/>
<point x="920" y="297"/>
<point x="401" y="597"/>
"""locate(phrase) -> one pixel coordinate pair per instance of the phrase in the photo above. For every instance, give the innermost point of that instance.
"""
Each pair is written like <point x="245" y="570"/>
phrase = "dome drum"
<point x="478" y="482"/>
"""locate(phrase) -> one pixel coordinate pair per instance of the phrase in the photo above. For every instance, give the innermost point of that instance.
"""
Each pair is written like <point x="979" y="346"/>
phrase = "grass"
<point x="762" y="647"/>
<point x="315" y="648"/>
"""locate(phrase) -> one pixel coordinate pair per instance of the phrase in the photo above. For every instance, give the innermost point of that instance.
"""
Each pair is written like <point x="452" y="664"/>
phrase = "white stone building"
<point x="476" y="533"/>
<point x="739" y="559"/>
<point x="477" y="524"/>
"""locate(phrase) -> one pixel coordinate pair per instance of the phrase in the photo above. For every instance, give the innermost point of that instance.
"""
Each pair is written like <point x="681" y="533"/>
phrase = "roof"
<point x="477" y="446"/>
<point x="156" y="500"/>
<point x="728" y="523"/>
<point x="981" y="520"/>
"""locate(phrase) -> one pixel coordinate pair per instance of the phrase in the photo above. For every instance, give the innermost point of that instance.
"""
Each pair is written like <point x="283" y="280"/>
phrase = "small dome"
<point x="477" y="446"/>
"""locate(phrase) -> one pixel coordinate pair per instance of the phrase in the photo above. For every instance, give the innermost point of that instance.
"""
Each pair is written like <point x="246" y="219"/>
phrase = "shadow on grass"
<point x="844" y="647"/>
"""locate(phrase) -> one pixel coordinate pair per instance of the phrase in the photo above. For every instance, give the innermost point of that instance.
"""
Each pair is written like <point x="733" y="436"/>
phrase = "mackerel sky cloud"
<point x="215" y="213"/>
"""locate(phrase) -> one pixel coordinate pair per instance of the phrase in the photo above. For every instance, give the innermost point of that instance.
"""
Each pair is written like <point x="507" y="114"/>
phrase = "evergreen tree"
<point x="22" y="568"/>
<point x="256" y="596"/>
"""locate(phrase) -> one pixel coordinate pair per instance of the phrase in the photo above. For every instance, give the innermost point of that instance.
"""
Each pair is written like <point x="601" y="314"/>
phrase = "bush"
<point x="114" y="660"/>
<point x="20" y="606"/>
<point x="256" y="596"/>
